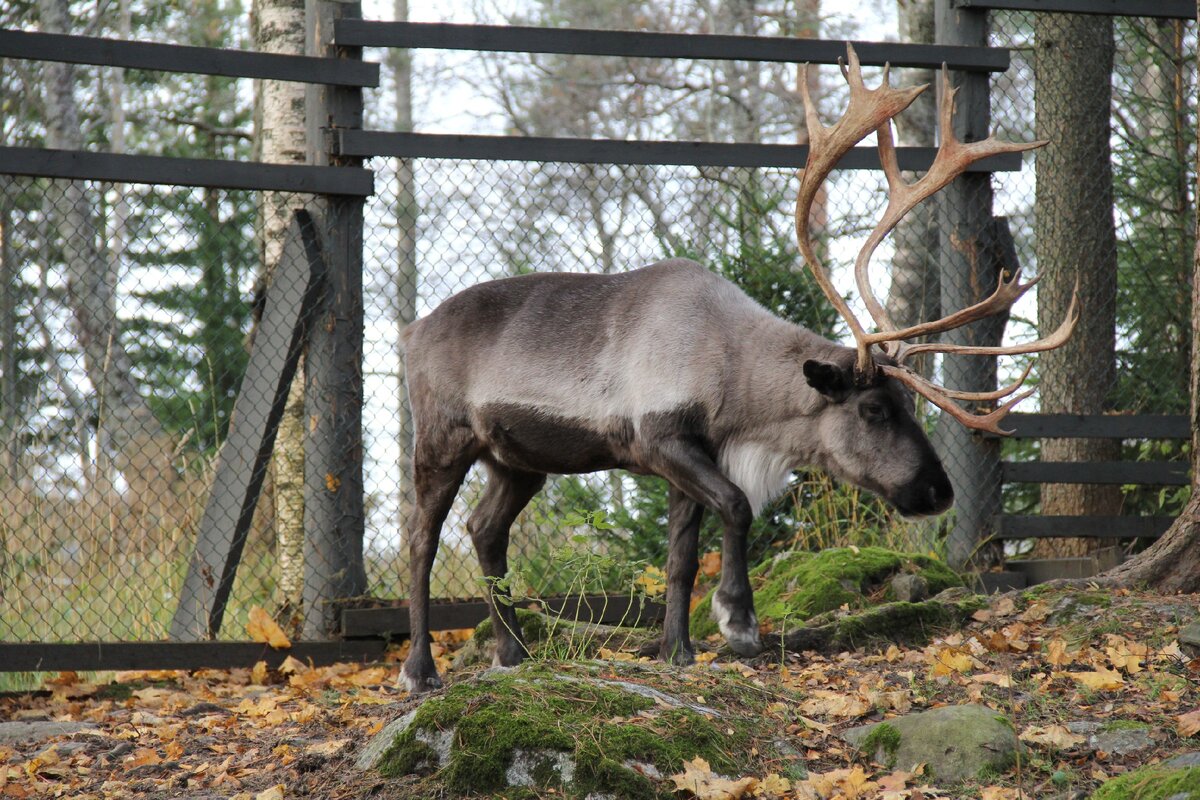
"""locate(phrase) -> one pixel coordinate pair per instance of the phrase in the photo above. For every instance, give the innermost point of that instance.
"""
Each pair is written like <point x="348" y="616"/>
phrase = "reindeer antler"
<point x="873" y="110"/>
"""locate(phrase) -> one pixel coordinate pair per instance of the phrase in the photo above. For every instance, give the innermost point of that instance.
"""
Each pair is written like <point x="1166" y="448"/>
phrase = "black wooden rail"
<point x="39" y="162"/>
<point x="648" y="44"/>
<point x="50" y="657"/>
<point x="391" y="620"/>
<point x="185" y="58"/>
<point x="608" y="151"/>
<point x="1092" y="426"/>
<point x="1161" y="9"/>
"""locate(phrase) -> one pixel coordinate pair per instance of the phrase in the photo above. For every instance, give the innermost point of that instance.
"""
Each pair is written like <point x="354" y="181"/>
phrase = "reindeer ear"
<point x="830" y="380"/>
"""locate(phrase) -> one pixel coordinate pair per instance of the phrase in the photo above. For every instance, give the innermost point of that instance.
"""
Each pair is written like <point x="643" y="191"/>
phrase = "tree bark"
<point x="279" y="28"/>
<point x="1173" y="563"/>
<point x="1076" y="241"/>
<point x="127" y="428"/>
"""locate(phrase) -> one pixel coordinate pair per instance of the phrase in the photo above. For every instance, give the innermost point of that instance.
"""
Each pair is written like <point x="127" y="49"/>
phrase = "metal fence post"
<point x="968" y="273"/>
<point x="333" y="451"/>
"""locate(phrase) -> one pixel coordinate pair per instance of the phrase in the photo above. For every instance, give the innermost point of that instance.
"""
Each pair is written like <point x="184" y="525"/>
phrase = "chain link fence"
<point x="107" y="445"/>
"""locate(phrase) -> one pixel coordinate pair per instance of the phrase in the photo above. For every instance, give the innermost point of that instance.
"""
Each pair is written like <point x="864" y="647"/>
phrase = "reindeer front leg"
<point x="689" y="468"/>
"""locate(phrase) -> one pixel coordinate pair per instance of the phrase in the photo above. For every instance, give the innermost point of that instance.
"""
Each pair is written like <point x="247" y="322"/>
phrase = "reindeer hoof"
<point x="420" y="681"/>
<point x="744" y="643"/>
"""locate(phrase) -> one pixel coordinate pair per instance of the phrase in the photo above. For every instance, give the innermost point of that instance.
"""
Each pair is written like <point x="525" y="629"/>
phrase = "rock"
<point x="1183" y="760"/>
<point x="1121" y="738"/>
<point x="25" y="732"/>
<point x="956" y="743"/>
<point x="798" y="585"/>
<point x="910" y="588"/>
<point x="1189" y="636"/>
<point x="578" y="730"/>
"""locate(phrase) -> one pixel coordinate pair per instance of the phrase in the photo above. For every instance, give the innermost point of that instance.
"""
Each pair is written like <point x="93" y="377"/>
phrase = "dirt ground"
<point x="1075" y="671"/>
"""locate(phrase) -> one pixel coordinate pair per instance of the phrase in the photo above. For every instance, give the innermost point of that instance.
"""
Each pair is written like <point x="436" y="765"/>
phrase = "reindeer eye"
<point x="873" y="412"/>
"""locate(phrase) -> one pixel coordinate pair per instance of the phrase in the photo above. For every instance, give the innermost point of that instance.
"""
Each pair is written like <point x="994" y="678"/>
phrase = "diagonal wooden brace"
<point x="242" y="461"/>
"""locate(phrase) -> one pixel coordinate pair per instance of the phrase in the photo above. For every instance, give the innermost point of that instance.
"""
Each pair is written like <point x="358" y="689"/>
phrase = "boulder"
<point x="956" y="743"/>
<point x="579" y="730"/>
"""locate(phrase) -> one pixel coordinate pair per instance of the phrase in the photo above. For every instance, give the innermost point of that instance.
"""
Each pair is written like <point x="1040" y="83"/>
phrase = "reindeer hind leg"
<point x="439" y="468"/>
<point x="508" y="491"/>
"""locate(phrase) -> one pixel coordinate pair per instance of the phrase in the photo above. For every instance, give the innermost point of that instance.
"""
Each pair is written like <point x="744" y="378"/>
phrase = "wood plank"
<point x="1161" y="9"/>
<point x="1147" y="473"/>
<point x="648" y="44"/>
<point x="1013" y="526"/>
<point x="365" y="144"/>
<point x="43" y="657"/>
<point x="392" y="620"/>
<point x="185" y="58"/>
<point x="38" y="162"/>
<point x="242" y="461"/>
<point x="1098" y="426"/>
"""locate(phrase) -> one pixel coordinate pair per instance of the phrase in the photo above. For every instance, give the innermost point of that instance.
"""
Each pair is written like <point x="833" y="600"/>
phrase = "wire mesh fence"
<point x="127" y="312"/>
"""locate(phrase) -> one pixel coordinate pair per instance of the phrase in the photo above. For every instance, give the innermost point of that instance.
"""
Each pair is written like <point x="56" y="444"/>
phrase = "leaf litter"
<point x="292" y="732"/>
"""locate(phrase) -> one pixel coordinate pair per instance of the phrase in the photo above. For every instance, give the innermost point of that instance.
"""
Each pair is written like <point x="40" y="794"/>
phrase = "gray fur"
<point x="669" y="370"/>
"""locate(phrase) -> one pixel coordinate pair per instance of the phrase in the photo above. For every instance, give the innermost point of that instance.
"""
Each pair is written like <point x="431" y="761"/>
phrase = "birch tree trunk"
<point x="279" y="28"/>
<point x="1076" y="241"/>
<point x="127" y="427"/>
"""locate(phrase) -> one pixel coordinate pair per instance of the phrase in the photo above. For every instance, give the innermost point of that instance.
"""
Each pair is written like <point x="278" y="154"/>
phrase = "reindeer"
<point x="672" y="370"/>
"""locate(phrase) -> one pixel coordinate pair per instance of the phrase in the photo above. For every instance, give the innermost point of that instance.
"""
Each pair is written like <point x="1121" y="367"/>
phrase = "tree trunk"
<point x="1173" y="563"/>
<point x="10" y="414"/>
<point x="1076" y="241"/>
<point x="914" y="295"/>
<point x="400" y="61"/>
<point x="279" y="28"/>
<point x="127" y="427"/>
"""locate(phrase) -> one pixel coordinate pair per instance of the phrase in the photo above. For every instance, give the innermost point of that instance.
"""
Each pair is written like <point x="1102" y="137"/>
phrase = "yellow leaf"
<point x="292" y="666"/>
<point x="1098" y="680"/>
<point x="950" y="660"/>
<point x="332" y="482"/>
<point x="274" y="793"/>
<point x="699" y="779"/>
<point x="328" y="749"/>
<point x="1188" y="724"/>
<point x="826" y="703"/>
<point x="652" y="581"/>
<point x="1056" y="653"/>
<point x="771" y="785"/>
<point x="612" y="655"/>
<point x="259" y="673"/>
<point x="704" y="658"/>
<point x="261" y="628"/>
<point x="994" y="678"/>
<point x="1056" y="736"/>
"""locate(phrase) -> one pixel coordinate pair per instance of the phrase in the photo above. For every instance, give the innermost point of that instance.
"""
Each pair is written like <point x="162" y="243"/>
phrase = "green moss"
<point x="533" y="627"/>
<point x="883" y="739"/>
<point x="1124" y="725"/>
<point x="1152" y="783"/>
<point x="540" y="708"/>
<point x="796" y="586"/>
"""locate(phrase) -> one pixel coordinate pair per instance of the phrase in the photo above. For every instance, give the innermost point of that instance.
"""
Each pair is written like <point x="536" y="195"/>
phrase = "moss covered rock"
<point x="551" y="637"/>
<point x="956" y="743"/>
<point x="579" y="729"/>
<point x="1157" y="782"/>
<point x="794" y="587"/>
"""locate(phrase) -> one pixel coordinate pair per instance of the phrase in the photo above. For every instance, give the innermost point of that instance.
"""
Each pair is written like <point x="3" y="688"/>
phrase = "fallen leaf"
<point x="772" y="784"/>
<point x="261" y="628"/>
<point x="1098" y="680"/>
<point x="652" y="581"/>
<point x="699" y="779"/>
<point x="328" y="749"/>
<point x="710" y="564"/>
<point x="274" y="793"/>
<point x="1188" y="724"/>
<point x="950" y="660"/>
<point x="1056" y="736"/>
